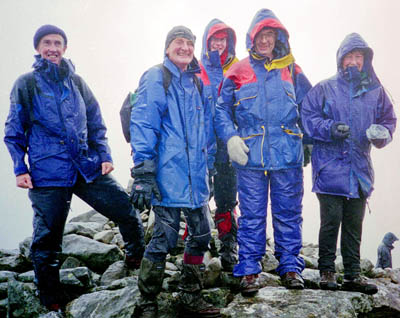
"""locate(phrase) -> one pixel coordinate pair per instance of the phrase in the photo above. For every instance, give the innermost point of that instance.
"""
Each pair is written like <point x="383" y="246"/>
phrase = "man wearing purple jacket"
<point x="345" y="115"/>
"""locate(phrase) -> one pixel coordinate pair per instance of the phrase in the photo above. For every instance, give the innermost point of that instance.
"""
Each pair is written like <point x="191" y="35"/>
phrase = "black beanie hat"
<point x="45" y="30"/>
<point x="179" y="31"/>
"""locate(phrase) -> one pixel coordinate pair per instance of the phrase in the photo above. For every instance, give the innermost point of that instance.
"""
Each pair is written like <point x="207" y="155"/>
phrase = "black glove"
<point x="144" y="186"/>
<point x="307" y="149"/>
<point x="340" y="130"/>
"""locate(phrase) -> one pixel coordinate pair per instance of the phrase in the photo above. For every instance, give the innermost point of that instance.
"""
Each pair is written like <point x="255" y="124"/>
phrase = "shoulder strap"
<point x="27" y="95"/>
<point x="78" y="83"/>
<point x="167" y="77"/>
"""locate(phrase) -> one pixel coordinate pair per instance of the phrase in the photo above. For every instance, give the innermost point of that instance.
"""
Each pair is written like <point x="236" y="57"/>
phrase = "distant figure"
<point x="385" y="251"/>
<point x="56" y="121"/>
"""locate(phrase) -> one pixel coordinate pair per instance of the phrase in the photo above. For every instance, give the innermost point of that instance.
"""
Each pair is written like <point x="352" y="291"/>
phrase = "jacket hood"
<point x="53" y="71"/>
<point x="355" y="41"/>
<point x="389" y="239"/>
<point x="213" y="27"/>
<point x="266" y="18"/>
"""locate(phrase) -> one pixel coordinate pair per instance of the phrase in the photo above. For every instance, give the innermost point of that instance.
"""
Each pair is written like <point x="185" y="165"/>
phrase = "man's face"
<point x="218" y="44"/>
<point x="51" y="47"/>
<point x="353" y="58"/>
<point x="180" y="52"/>
<point x="264" y="42"/>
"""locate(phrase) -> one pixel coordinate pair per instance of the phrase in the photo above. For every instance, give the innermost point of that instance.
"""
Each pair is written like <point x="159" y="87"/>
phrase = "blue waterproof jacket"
<point x="343" y="167"/>
<point x="259" y="101"/>
<point x="212" y="71"/>
<point x="174" y="130"/>
<point x="66" y="134"/>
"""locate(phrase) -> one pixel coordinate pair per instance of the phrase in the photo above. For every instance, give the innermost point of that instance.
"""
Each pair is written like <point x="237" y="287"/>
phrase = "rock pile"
<point x="97" y="284"/>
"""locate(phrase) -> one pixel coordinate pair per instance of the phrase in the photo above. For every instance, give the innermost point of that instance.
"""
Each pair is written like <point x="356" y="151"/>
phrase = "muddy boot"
<point x="191" y="302"/>
<point x="227" y="232"/>
<point x="150" y="282"/>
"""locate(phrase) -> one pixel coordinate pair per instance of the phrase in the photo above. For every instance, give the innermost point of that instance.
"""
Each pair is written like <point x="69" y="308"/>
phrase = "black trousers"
<point x="336" y="211"/>
<point x="51" y="206"/>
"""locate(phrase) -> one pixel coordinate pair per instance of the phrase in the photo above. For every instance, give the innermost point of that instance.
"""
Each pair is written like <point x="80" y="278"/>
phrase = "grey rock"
<point x="71" y="262"/>
<point x="115" y="271"/>
<point x="3" y="307"/>
<point x="88" y="229"/>
<point x="22" y="300"/>
<point x="97" y="256"/>
<point x="269" y="263"/>
<point x="25" y="248"/>
<point x="104" y="236"/>
<point x="91" y="216"/>
<point x="27" y="277"/>
<point x="6" y="275"/>
<point x="14" y="263"/>
<point x="107" y="303"/>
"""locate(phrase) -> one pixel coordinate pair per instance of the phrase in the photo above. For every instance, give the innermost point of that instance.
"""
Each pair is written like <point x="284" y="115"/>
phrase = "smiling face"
<point x="52" y="48"/>
<point x="180" y="52"/>
<point x="264" y="42"/>
<point x="353" y="58"/>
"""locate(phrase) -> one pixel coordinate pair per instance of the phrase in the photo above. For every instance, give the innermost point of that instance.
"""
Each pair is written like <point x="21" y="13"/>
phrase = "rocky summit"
<point x="98" y="284"/>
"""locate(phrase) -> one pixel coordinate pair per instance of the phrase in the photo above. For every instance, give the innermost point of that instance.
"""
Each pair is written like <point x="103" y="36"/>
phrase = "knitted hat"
<point x="179" y="32"/>
<point x="45" y="30"/>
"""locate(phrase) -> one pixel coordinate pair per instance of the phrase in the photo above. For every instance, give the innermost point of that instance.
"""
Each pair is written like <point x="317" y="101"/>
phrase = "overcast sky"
<point x="113" y="42"/>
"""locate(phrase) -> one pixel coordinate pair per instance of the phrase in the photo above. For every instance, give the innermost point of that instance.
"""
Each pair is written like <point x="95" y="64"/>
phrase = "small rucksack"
<point x="130" y="100"/>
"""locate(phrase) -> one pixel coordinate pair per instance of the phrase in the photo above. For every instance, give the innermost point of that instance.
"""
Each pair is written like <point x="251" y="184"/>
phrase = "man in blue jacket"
<point x="217" y="56"/>
<point x="173" y="151"/>
<point x="345" y="115"/>
<point x="55" y="120"/>
<point x="257" y="116"/>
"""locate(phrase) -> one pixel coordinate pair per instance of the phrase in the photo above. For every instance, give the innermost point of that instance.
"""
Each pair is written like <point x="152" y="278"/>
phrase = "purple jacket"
<point x="344" y="167"/>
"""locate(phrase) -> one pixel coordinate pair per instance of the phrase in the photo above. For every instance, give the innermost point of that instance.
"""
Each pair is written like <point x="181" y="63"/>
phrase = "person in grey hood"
<point x="385" y="251"/>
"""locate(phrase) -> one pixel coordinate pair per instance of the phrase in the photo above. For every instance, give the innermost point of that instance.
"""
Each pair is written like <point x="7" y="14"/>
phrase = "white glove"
<point x="376" y="131"/>
<point x="237" y="150"/>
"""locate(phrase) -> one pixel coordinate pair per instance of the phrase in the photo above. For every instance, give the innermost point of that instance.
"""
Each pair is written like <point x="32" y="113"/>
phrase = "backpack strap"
<point x="167" y="77"/>
<point x="27" y="94"/>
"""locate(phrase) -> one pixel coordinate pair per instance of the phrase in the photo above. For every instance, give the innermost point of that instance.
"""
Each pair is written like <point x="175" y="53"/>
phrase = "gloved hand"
<point x="237" y="150"/>
<point x="378" y="135"/>
<point x="340" y="131"/>
<point x="144" y="186"/>
<point x="307" y="149"/>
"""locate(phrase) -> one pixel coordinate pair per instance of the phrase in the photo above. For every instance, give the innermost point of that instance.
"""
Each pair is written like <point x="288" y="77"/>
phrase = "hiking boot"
<point x="146" y="308"/>
<point x="132" y="262"/>
<point x="328" y="281"/>
<point x="359" y="284"/>
<point x="249" y="285"/>
<point x="292" y="280"/>
<point x="227" y="266"/>
<point x="193" y="305"/>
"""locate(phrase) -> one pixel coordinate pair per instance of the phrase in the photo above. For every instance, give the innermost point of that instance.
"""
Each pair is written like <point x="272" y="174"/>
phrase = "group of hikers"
<point x="220" y="126"/>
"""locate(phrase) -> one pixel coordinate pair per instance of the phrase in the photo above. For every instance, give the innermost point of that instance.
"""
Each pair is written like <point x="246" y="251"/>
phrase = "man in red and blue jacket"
<point x="217" y="56"/>
<point x="257" y="115"/>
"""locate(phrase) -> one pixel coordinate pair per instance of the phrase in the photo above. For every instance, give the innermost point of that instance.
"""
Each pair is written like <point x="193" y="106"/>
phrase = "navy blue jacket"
<point x="66" y="134"/>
